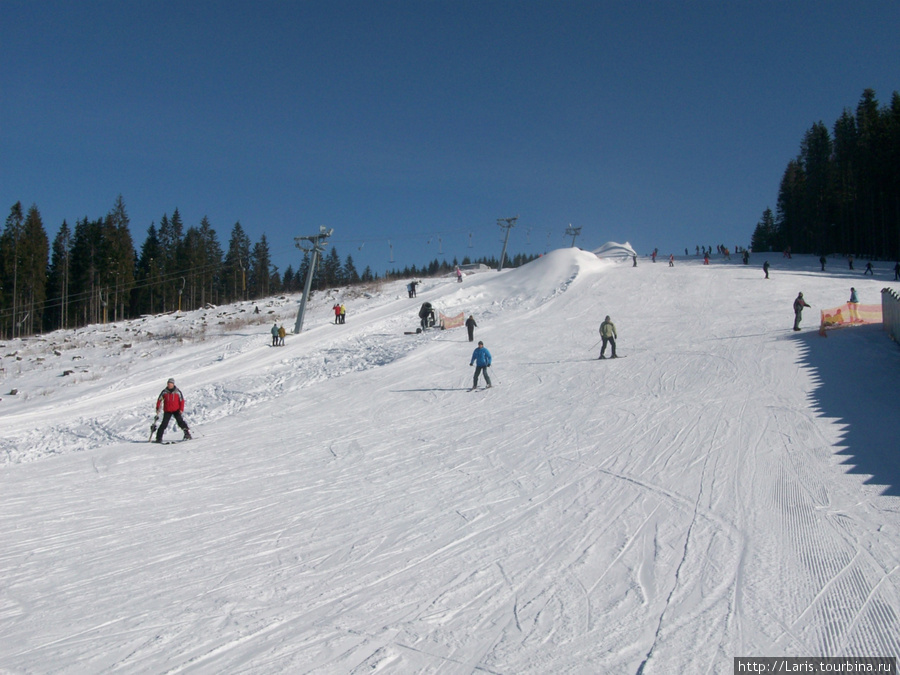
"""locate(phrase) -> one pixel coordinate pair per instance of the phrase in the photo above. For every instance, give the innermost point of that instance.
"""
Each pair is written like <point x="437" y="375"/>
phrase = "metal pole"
<point x="318" y="245"/>
<point x="510" y="223"/>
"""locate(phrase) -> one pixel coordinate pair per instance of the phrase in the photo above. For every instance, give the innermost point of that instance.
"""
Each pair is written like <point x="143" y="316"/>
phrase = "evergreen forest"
<point x="841" y="194"/>
<point x="92" y="273"/>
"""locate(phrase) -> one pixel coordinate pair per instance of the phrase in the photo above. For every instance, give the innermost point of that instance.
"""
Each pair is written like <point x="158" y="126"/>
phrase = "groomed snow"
<point x="728" y="489"/>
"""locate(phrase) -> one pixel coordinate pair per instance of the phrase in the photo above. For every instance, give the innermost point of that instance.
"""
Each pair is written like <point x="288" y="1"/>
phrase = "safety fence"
<point x="849" y="314"/>
<point x="890" y="311"/>
<point x="452" y="321"/>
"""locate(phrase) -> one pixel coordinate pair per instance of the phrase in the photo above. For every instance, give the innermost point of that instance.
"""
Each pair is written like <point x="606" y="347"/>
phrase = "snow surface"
<point x="612" y="249"/>
<point x="731" y="488"/>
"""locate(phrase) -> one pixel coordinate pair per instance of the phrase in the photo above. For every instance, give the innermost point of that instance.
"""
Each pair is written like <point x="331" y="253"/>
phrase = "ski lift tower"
<point x="573" y="232"/>
<point x="315" y="245"/>
<point x="508" y="224"/>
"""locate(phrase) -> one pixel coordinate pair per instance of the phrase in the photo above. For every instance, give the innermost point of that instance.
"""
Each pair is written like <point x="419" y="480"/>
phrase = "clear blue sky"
<point x="667" y="124"/>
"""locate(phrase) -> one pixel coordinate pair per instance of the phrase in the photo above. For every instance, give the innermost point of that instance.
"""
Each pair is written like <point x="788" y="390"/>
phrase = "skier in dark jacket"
<point x="799" y="304"/>
<point x="426" y="314"/>
<point x="171" y="400"/>
<point x="471" y="326"/>
<point x="481" y="359"/>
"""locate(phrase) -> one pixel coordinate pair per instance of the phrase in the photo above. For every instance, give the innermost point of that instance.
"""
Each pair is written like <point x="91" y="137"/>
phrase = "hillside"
<point x="729" y="488"/>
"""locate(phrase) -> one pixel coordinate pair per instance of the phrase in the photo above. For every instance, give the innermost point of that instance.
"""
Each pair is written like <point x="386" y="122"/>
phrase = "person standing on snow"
<point x="766" y="268"/>
<point x="471" y="326"/>
<point x="854" y="304"/>
<point x="172" y="402"/>
<point x="275" y="335"/>
<point x="608" y="335"/>
<point x="343" y="313"/>
<point x="799" y="304"/>
<point x="481" y="358"/>
<point x="281" y="333"/>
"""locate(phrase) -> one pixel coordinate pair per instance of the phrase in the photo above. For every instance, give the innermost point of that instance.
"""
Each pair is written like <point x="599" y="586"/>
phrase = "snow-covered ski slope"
<point x="730" y="489"/>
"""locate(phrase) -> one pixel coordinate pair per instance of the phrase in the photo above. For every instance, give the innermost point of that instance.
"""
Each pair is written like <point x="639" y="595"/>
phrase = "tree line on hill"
<point x="92" y="273"/>
<point x="841" y="194"/>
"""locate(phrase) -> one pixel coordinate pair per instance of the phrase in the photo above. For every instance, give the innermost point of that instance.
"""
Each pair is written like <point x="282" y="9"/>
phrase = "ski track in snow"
<point x="347" y="507"/>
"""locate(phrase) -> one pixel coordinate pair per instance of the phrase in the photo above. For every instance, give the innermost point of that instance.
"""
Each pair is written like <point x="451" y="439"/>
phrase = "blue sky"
<point x="412" y="126"/>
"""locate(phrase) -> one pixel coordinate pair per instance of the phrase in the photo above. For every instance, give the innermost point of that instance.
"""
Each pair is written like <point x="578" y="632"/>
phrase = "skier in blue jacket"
<point x="481" y="358"/>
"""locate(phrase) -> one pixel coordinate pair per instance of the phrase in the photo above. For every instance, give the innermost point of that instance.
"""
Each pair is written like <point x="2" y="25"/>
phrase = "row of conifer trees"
<point x="91" y="273"/>
<point x="841" y="194"/>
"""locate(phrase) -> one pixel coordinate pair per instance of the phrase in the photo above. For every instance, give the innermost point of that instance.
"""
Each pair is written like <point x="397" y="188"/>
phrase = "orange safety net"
<point x="453" y="321"/>
<point x="849" y="314"/>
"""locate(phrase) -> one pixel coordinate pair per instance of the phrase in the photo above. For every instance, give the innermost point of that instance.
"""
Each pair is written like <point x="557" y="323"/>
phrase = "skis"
<point x="610" y="358"/>
<point x="477" y="389"/>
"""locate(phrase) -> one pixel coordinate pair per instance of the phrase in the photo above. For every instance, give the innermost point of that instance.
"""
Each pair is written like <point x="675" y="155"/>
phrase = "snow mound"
<point x="612" y="249"/>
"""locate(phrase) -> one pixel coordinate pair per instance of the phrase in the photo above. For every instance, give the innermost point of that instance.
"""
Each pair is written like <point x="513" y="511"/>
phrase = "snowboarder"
<point x="471" y="326"/>
<point x="172" y="402"/>
<point x="799" y="304"/>
<point x="481" y="358"/>
<point x="766" y="268"/>
<point x="608" y="335"/>
<point x="869" y="269"/>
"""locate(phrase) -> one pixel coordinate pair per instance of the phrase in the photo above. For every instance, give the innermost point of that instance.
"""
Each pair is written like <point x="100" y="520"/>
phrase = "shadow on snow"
<point x="858" y="371"/>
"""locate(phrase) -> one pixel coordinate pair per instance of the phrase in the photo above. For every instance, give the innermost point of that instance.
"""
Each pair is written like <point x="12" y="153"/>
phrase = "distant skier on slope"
<point x="799" y="304"/>
<point x="470" y="327"/>
<point x="481" y="358"/>
<point x="172" y="402"/>
<point x="608" y="335"/>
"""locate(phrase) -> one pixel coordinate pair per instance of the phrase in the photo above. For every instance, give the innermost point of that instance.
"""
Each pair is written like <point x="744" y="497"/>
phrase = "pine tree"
<point x="331" y="269"/>
<point x="237" y="261"/>
<point x="260" y="269"/>
<point x="10" y="255"/>
<point x="119" y="263"/>
<point x="56" y="311"/>
<point x="34" y="254"/>
<point x="349" y="273"/>
<point x="145" y="298"/>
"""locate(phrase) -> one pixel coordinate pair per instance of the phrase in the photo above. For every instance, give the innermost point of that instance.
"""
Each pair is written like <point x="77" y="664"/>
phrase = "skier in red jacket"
<point x="172" y="402"/>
